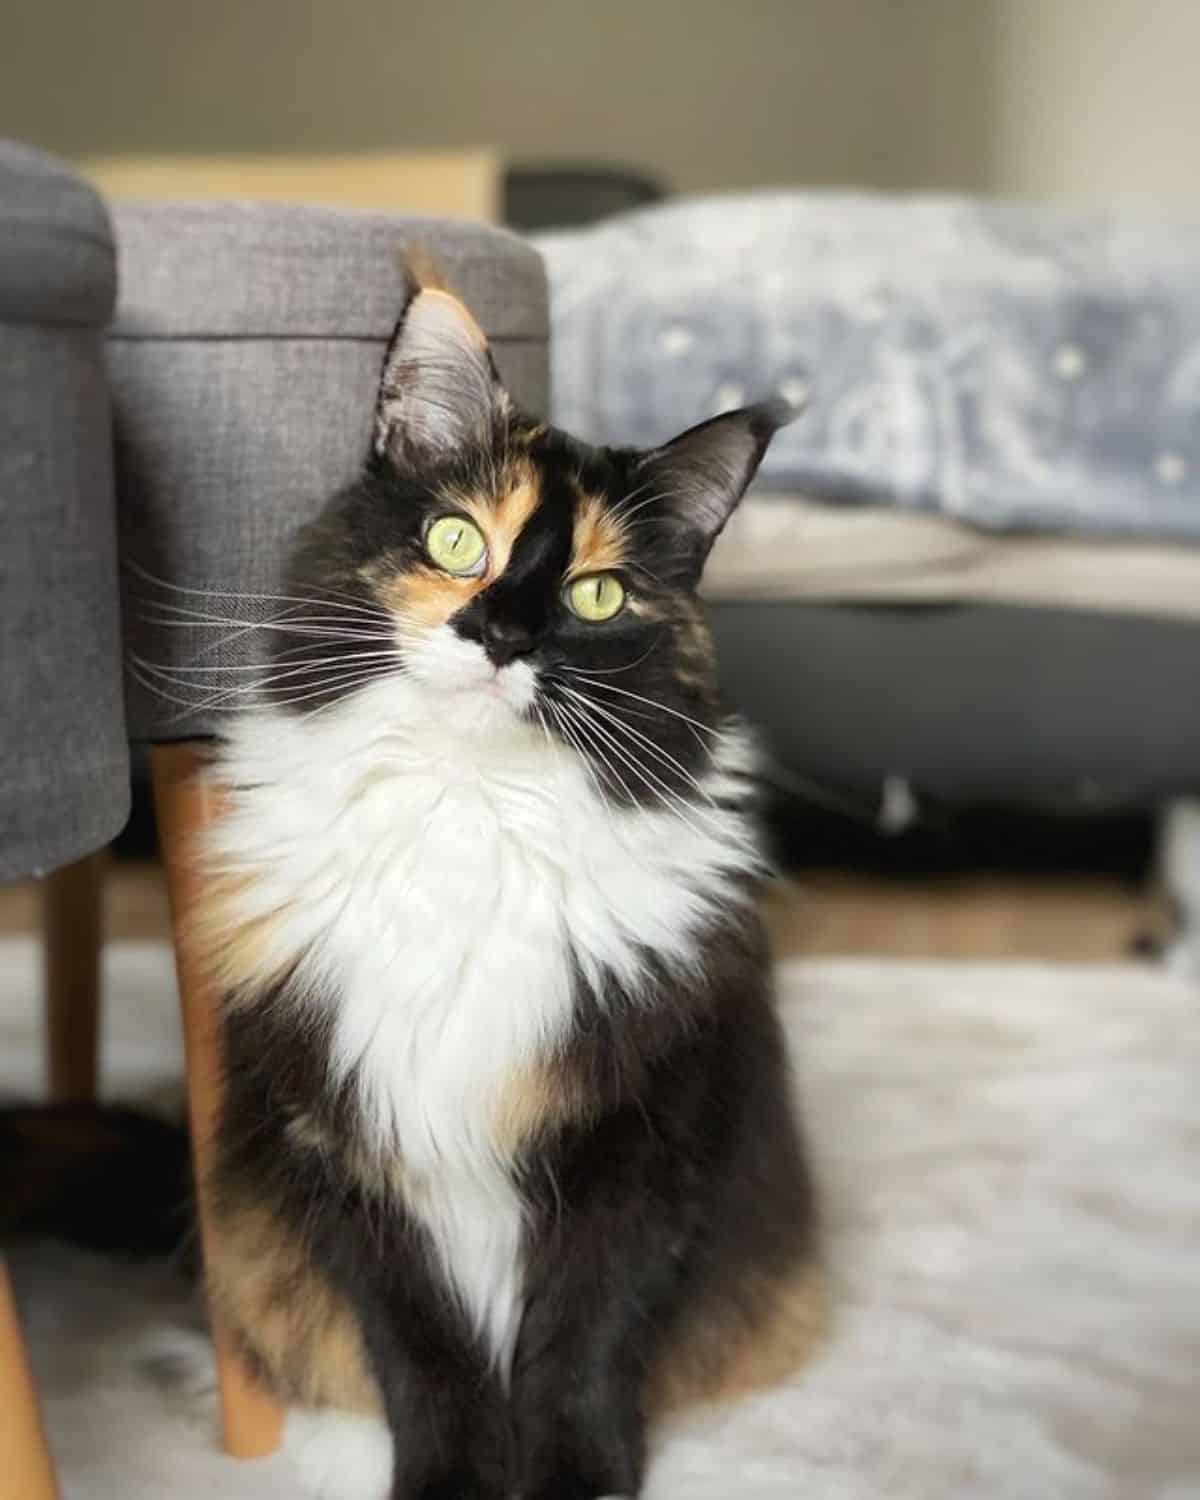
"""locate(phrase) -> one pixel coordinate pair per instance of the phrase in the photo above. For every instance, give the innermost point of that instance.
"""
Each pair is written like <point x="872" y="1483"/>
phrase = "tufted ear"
<point x="701" y="475"/>
<point x="439" y="394"/>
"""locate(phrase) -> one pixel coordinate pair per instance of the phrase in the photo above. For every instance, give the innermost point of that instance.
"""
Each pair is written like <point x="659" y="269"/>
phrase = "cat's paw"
<point x="339" y="1456"/>
<point x="460" y="1486"/>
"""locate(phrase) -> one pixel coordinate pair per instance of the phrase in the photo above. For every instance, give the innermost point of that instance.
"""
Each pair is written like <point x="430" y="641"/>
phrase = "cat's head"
<point x="508" y="573"/>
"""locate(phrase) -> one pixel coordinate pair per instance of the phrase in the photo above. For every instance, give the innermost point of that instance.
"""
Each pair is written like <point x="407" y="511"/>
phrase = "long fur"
<point x="506" y="1154"/>
<point x="505" y="869"/>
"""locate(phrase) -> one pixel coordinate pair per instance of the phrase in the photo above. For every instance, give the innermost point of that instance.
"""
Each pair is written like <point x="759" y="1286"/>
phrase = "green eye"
<point x="597" y="597"/>
<point x="456" y="544"/>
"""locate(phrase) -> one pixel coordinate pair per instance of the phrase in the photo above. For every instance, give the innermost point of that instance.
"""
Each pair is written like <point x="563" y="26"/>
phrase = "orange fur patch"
<point x="284" y="1315"/>
<point x="239" y="952"/>
<point x="533" y="1102"/>
<point x="600" y="543"/>
<point x="425" y="270"/>
<point x="429" y="276"/>
<point x="502" y="520"/>
<point x="425" y="597"/>
<point x="755" y="1338"/>
<point x="696" y="659"/>
<point x="476" y="334"/>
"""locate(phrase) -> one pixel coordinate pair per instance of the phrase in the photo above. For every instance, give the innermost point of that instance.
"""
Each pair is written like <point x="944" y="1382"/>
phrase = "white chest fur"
<point x="435" y="874"/>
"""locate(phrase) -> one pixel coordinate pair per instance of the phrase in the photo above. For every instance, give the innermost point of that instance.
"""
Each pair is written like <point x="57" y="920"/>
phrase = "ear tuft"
<point x="702" y="474"/>
<point x="439" y="394"/>
<point x="423" y="271"/>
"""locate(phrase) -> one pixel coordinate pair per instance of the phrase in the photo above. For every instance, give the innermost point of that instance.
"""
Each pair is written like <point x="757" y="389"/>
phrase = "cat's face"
<point x="515" y="575"/>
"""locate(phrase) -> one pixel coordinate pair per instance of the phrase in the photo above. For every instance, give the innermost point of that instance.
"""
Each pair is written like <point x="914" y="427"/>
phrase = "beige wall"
<point x="1084" y="100"/>
<point x="708" y="92"/>
<point x="1098" y="101"/>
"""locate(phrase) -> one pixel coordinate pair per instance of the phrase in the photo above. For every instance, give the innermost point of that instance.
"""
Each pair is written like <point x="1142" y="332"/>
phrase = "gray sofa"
<point x="64" y="760"/>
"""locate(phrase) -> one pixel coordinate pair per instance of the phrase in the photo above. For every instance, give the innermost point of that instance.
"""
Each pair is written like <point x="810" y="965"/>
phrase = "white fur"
<point x="429" y="856"/>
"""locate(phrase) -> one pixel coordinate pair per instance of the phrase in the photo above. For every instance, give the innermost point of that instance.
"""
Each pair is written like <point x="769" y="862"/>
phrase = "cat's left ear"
<point x="701" y="475"/>
<point x="439" y="396"/>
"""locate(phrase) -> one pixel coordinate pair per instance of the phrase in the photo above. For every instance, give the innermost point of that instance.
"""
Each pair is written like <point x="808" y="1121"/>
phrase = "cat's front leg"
<point x="579" y="1419"/>
<point x="446" y="1423"/>
<point x="582" y="1431"/>
<point x="596" y="1454"/>
<point x="442" y="1403"/>
<point x="601" y="1289"/>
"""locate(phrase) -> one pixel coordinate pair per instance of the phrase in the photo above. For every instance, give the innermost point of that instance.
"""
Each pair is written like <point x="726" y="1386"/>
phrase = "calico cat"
<point x="507" y="1157"/>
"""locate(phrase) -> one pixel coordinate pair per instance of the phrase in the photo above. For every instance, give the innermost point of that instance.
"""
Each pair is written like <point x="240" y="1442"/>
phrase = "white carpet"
<point x="1010" y="1161"/>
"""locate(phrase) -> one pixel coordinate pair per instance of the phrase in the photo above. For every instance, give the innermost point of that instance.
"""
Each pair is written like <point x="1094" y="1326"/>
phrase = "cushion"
<point x="64" y="768"/>
<point x="790" y="547"/>
<point x="1015" y="366"/>
<point x="244" y="363"/>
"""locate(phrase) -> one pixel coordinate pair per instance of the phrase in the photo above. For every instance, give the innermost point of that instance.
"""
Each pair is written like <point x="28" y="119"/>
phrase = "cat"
<point x="507" y="1159"/>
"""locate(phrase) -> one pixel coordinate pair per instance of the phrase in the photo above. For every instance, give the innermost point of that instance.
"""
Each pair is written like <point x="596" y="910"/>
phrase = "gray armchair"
<point x="63" y="748"/>
<point x="64" y="759"/>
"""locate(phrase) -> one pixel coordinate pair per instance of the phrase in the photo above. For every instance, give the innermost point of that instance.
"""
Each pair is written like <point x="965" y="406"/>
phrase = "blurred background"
<point x="550" y="115"/>
<point x="1046" y="99"/>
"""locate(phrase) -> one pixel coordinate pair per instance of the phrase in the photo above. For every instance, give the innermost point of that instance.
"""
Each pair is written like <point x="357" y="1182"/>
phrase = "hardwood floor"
<point x="135" y="903"/>
<point x="1076" y="918"/>
<point x="816" y="912"/>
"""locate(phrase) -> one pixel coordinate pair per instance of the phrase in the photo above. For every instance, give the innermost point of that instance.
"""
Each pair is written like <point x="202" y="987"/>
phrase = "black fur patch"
<point x="662" y="1171"/>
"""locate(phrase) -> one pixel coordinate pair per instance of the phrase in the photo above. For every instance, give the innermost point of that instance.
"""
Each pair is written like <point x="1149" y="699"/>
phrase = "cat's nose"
<point x="505" y="640"/>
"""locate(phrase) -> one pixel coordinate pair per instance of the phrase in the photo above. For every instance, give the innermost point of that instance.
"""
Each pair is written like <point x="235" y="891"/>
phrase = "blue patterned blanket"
<point x="1014" y="367"/>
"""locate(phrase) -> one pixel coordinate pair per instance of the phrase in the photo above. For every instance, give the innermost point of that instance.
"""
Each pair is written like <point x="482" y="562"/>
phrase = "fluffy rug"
<point x="1010" y="1164"/>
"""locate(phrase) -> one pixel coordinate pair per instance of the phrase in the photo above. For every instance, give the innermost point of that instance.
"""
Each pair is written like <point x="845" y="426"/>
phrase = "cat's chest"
<point x="442" y="915"/>
<point x="437" y="897"/>
<point x="439" y="905"/>
<point x="431" y="909"/>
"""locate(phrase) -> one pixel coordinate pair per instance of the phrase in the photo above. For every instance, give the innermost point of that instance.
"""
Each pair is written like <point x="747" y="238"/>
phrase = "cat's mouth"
<point x="465" y="670"/>
<point x="463" y="681"/>
<point x="512" y="685"/>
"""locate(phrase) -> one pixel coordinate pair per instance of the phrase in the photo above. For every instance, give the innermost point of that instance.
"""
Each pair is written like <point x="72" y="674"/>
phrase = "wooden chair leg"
<point x="26" y="1468"/>
<point x="72" y="921"/>
<point x="185" y="803"/>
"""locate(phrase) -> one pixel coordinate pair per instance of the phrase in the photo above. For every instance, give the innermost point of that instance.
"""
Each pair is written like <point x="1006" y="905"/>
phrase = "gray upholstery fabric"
<point x="970" y="703"/>
<point x="64" y="767"/>
<point x="56" y="250"/>
<point x="244" y="363"/>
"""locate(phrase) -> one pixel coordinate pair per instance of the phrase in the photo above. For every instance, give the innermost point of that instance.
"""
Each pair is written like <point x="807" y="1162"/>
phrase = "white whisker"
<point x="628" y="667"/>
<point x="344" y="599"/>
<point x="235" y="698"/>
<point x="638" y="737"/>
<point x="570" y="726"/>
<point x="661" y="708"/>
<point x="657" y="787"/>
<point x="265" y="668"/>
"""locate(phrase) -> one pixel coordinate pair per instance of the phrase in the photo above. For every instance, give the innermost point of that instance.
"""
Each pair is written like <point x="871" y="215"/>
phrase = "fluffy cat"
<point x="507" y="1157"/>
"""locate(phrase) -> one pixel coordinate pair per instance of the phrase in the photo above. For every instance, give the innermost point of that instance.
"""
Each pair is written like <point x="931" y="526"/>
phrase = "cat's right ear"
<point x="439" y="395"/>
